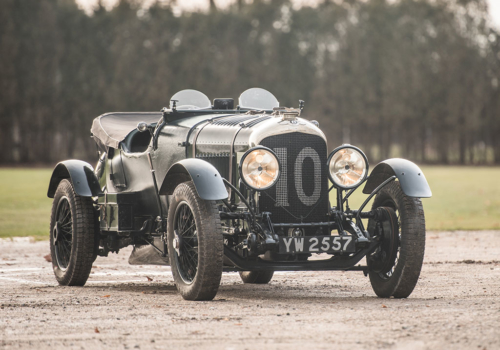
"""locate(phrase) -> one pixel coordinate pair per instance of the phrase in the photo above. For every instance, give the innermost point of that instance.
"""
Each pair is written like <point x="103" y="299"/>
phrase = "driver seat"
<point x="136" y="142"/>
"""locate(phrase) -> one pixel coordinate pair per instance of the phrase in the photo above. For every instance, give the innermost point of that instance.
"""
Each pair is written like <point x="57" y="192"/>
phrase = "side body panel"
<point x="128" y="182"/>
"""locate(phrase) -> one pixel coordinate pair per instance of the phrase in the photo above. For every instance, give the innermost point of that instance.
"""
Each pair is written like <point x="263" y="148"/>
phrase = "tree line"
<point x="410" y="78"/>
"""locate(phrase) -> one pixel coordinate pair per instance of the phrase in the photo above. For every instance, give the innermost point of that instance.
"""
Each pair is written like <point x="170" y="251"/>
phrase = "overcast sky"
<point x="197" y="4"/>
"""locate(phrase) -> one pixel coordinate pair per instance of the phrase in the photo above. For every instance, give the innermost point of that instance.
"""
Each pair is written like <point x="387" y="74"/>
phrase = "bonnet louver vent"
<point x="257" y="121"/>
<point x="235" y="120"/>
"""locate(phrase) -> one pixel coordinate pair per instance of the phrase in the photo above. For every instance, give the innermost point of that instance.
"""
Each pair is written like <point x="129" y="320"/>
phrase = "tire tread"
<point x="210" y="241"/>
<point x="82" y="250"/>
<point x="407" y="271"/>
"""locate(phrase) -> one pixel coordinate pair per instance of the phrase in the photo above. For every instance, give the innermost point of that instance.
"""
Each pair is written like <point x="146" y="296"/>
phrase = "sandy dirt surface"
<point x="456" y="304"/>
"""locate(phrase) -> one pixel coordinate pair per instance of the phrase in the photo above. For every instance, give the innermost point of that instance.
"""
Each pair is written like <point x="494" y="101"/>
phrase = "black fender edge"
<point x="80" y="173"/>
<point x="206" y="179"/>
<point x="411" y="178"/>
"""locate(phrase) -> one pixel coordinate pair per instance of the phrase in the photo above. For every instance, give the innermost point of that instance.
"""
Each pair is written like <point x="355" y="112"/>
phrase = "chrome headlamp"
<point x="259" y="168"/>
<point x="347" y="167"/>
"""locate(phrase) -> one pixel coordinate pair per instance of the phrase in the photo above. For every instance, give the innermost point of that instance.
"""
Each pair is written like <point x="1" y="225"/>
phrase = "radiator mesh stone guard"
<point x="303" y="185"/>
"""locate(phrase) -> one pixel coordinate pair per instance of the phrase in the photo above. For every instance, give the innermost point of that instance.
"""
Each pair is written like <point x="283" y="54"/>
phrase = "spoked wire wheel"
<point x="63" y="233"/>
<point x="73" y="235"/>
<point x="186" y="242"/>
<point x="395" y="266"/>
<point x="387" y="274"/>
<point x="385" y="258"/>
<point x="195" y="243"/>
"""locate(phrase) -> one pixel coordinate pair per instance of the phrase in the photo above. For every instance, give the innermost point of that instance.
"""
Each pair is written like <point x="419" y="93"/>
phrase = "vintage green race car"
<point x="208" y="187"/>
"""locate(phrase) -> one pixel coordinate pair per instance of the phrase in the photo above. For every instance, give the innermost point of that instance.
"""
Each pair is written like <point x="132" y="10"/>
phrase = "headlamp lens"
<point x="347" y="168"/>
<point x="260" y="169"/>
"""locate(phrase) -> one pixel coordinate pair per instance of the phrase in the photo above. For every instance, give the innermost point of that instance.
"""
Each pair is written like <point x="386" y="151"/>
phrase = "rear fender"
<point x="411" y="178"/>
<point x="204" y="175"/>
<point x="80" y="173"/>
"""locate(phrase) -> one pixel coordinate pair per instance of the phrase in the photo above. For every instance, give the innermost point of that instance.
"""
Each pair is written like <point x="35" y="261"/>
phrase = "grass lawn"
<point x="464" y="198"/>
<point x="24" y="206"/>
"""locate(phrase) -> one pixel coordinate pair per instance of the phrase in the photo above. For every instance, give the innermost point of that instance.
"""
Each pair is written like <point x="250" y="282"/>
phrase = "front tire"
<point x="256" y="277"/>
<point x="400" y="279"/>
<point x="72" y="236"/>
<point x="195" y="243"/>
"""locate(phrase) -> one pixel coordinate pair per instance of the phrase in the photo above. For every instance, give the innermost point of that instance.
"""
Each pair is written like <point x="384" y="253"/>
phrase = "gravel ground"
<point x="455" y="304"/>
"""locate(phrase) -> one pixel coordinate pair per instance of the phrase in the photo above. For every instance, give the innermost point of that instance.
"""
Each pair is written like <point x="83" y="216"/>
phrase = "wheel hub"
<point x="56" y="232"/>
<point x="177" y="243"/>
<point x="384" y="258"/>
<point x="194" y="239"/>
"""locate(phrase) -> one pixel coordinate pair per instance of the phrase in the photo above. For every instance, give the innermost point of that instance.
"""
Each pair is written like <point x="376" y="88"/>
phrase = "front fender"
<point x="204" y="175"/>
<point x="411" y="178"/>
<point x="82" y="176"/>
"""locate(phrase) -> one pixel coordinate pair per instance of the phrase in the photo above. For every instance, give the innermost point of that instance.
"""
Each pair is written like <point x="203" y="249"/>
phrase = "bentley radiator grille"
<point x="301" y="194"/>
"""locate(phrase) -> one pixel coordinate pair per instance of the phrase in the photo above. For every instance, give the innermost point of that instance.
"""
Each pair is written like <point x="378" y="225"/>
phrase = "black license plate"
<point x="316" y="244"/>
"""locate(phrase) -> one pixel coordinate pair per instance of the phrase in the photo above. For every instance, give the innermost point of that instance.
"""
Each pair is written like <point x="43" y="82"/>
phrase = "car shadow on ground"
<point x="317" y="294"/>
<point x="149" y="288"/>
<point x="255" y="293"/>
